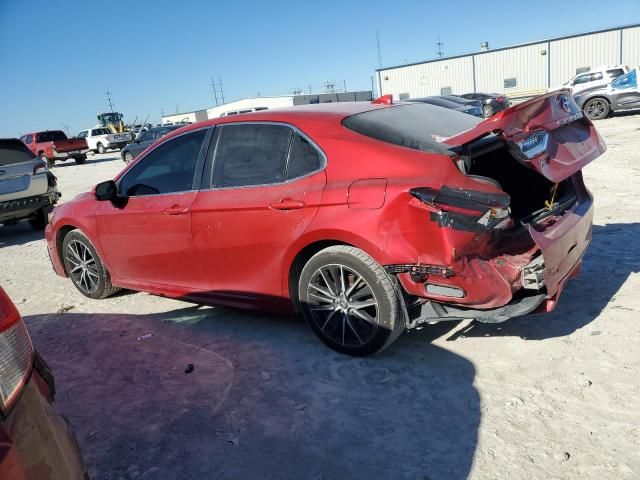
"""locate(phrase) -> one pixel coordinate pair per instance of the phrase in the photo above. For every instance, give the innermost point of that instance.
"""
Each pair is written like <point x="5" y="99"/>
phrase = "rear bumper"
<point x="25" y="207"/>
<point x="38" y="442"/>
<point x="66" y="155"/>
<point x="491" y="289"/>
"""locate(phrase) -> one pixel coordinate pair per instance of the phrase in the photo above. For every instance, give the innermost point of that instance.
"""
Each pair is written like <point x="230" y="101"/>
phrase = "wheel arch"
<point x="60" y="236"/>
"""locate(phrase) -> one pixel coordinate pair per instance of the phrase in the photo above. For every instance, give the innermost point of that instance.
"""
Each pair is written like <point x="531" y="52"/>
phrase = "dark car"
<point x="464" y="101"/>
<point x="36" y="442"/>
<point x="623" y="93"/>
<point x="491" y="102"/>
<point x="145" y="139"/>
<point x="368" y="218"/>
<point x="451" y="105"/>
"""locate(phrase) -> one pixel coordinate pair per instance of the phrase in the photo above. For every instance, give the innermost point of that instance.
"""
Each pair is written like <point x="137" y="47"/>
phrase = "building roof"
<point x="481" y="52"/>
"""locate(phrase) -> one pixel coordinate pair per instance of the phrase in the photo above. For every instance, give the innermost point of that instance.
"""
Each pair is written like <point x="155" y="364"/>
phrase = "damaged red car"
<point x="36" y="443"/>
<point x="369" y="218"/>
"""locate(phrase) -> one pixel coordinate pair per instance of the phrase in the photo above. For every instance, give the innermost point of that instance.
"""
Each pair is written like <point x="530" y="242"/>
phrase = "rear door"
<point x="17" y="168"/>
<point x="625" y="92"/>
<point x="264" y="188"/>
<point x="548" y="133"/>
<point x="148" y="240"/>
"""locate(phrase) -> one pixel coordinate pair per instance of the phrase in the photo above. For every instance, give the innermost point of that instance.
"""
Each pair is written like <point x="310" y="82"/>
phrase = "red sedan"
<point x="36" y="443"/>
<point x="369" y="218"/>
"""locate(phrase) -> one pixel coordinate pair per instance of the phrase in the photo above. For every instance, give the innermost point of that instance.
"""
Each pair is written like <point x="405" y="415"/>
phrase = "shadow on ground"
<point x="90" y="160"/>
<point x="265" y="399"/>
<point x="614" y="254"/>
<point x="18" y="234"/>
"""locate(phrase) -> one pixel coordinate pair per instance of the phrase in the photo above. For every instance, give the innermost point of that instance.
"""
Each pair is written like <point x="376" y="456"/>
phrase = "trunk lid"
<point x="17" y="165"/>
<point x="547" y="133"/>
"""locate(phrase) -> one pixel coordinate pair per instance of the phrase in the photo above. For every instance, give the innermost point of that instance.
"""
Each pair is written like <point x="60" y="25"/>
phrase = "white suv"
<point x="99" y="139"/>
<point x="595" y="78"/>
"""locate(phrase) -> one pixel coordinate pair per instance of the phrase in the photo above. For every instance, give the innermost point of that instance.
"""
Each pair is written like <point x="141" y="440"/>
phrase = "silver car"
<point x="622" y="93"/>
<point x="28" y="190"/>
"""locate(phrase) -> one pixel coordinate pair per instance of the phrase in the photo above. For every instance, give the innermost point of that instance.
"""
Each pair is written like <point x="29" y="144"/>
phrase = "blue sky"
<point x="58" y="57"/>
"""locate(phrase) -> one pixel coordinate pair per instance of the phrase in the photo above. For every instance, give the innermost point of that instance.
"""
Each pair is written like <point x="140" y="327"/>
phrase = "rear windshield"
<point x="418" y="126"/>
<point x="52" y="136"/>
<point x="14" y="151"/>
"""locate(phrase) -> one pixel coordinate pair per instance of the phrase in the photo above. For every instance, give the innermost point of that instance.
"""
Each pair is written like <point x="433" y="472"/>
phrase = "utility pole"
<point x="109" y="99"/>
<point x="309" y="88"/>
<point x="344" y="83"/>
<point x="215" y="92"/>
<point x="439" y="45"/>
<point x="379" y="51"/>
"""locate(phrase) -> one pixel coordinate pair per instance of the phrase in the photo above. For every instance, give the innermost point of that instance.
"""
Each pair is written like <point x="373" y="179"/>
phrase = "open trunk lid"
<point x="548" y="133"/>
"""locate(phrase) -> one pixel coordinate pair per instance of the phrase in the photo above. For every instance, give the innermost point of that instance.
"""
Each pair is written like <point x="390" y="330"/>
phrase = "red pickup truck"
<point x="53" y="145"/>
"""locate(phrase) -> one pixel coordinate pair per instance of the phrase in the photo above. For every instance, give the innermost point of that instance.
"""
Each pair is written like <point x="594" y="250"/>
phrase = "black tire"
<point x="94" y="280"/>
<point x="40" y="220"/>
<point x="101" y="148"/>
<point x="487" y="111"/>
<point x="49" y="162"/>
<point x="81" y="160"/>
<point x="127" y="157"/>
<point x="596" y="108"/>
<point x="360" y="317"/>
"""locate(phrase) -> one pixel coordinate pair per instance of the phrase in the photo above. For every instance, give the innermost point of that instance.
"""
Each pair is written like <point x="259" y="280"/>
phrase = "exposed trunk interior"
<point x="529" y="190"/>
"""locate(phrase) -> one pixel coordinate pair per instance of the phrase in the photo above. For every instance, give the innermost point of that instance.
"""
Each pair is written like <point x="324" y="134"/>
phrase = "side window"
<point x="303" y="159"/>
<point x="146" y="136"/>
<point x="82" y="134"/>
<point x="581" y="79"/>
<point x="615" y="73"/>
<point x="595" y="76"/>
<point x="251" y="154"/>
<point x="28" y="139"/>
<point x="169" y="168"/>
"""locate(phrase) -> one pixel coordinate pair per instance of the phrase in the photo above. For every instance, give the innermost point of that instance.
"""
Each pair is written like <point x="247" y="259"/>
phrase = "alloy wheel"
<point x="596" y="109"/>
<point x="343" y="305"/>
<point x="84" y="270"/>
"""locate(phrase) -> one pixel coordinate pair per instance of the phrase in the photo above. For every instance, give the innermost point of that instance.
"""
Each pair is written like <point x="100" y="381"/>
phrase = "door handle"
<point x="287" y="204"/>
<point x="176" y="210"/>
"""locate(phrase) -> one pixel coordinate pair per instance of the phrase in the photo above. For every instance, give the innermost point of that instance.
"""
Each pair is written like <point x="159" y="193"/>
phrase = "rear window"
<point x="52" y="136"/>
<point x="417" y="126"/>
<point x="14" y="151"/>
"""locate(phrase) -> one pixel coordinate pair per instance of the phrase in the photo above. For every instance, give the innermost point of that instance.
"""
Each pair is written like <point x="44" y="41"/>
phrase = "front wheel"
<point x="487" y="111"/>
<point x="101" y="148"/>
<point x="350" y="301"/>
<point x="84" y="267"/>
<point x="127" y="157"/>
<point x="597" y="108"/>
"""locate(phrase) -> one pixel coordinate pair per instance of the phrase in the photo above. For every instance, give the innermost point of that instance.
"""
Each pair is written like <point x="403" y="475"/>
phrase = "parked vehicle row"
<point x="458" y="104"/>
<point x="491" y="102"/>
<point x="623" y="93"/>
<point x="368" y="218"/>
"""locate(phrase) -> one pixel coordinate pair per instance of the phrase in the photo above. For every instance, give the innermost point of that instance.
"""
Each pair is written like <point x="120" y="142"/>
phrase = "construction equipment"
<point x="113" y="121"/>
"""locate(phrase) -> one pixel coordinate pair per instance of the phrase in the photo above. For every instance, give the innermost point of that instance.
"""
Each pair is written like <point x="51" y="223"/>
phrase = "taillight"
<point x="39" y="167"/>
<point x="16" y="353"/>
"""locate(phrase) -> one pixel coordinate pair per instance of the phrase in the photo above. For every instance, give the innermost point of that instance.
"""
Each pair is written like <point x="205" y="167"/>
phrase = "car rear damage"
<point x="514" y="229"/>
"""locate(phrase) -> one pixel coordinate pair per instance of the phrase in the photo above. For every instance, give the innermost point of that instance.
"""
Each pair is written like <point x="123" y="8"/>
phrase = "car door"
<point x="265" y="186"/>
<point x="148" y="240"/>
<point x="625" y="92"/>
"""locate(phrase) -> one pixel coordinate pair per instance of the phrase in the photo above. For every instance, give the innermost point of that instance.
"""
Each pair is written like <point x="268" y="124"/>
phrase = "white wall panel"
<point x="631" y="46"/>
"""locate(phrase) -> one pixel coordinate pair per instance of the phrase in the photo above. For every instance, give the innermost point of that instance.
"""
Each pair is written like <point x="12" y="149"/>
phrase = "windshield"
<point x="413" y="125"/>
<point x="113" y="117"/>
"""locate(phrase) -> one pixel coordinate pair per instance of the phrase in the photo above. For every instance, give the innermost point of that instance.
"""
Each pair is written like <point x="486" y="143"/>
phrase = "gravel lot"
<point x="555" y="396"/>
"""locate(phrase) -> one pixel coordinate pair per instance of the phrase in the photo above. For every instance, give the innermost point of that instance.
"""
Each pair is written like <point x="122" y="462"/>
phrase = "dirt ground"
<point x="546" y="397"/>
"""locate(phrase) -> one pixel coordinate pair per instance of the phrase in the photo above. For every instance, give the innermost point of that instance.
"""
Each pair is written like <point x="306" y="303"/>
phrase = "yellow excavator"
<point x="113" y="121"/>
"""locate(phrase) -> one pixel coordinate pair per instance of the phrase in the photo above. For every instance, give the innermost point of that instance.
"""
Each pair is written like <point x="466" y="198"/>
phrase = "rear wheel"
<point x="84" y="267"/>
<point x="100" y="148"/>
<point x="39" y="221"/>
<point x="597" y="108"/>
<point x="487" y="111"/>
<point x="127" y="157"/>
<point x="49" y="162"/>
<point x="350" y="301"/>
<point x="81" y="160"/>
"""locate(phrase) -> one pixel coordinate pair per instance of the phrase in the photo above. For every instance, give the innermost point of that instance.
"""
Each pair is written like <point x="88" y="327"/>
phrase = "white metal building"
<point x="186" y="117"/>
<point x="517" y="71"/>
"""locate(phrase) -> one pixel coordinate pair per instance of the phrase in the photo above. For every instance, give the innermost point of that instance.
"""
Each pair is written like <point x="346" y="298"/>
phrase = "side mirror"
<point x="106" y="190"/>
